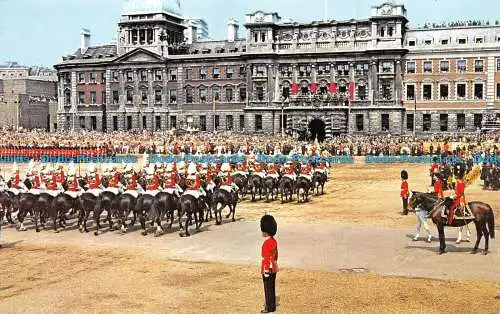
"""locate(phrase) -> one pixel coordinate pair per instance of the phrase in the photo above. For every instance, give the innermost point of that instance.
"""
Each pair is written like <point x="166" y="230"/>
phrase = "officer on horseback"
<point x="93" y="181"/>
<point x="271" y="171"/>
<point x="226" y="179"/>
<point x="170" y="180"/>
<point x="152" y="178"/>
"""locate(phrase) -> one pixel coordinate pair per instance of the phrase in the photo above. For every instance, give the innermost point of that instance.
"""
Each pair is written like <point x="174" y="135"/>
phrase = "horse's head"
<point x="416" y="199"/>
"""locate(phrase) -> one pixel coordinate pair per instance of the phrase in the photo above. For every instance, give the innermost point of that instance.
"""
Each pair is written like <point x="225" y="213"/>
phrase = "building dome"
<point x="151" y="6"/>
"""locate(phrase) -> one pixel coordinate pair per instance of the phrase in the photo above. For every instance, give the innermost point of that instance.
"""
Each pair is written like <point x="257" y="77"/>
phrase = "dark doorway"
<point x="317" y="129"/>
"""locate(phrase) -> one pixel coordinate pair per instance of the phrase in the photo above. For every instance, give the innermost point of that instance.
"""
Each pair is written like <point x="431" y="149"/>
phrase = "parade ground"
<point x="348" y="251"/>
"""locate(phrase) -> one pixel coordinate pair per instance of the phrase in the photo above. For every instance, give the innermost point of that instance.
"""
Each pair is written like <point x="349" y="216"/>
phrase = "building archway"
<point x="317" y="130"/>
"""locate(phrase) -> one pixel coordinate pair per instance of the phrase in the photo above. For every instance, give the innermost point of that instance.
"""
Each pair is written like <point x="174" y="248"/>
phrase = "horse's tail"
<point x="491" y="223"/>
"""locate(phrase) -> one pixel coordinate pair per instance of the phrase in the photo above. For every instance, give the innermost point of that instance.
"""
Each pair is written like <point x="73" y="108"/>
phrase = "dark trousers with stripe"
<point x="270" y="292"/>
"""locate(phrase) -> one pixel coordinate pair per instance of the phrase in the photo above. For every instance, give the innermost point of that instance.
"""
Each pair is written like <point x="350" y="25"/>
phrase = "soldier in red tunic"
<point x="269" y="266"/>
<point x="405" y="193"/>
<point x="438" y="188"/>
<point x="459" y="198"/>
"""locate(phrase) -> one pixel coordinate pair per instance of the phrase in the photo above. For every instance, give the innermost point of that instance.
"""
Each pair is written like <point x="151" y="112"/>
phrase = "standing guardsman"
<point x="438" y="185"/>
<point x="405" y="192"/>
<point x="269" y="266"/>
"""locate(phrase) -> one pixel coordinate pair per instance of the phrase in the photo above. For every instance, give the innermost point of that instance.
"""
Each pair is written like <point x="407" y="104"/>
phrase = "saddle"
<point x="461" y="213"/>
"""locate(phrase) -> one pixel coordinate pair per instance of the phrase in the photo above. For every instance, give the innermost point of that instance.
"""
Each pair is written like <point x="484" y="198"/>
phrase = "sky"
<point x="40" y="32"/>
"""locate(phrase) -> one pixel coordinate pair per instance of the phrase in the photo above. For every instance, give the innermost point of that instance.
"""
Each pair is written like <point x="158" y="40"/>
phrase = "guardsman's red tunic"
<point x="194" y="184"/>
<point x="170" y="180"/>
<point x="15" y="183"/>
<point x="155" y="184"/>
<point x="459" y="199"/>
<point x="438" y="189"/>
<point x="228" y="180"/>
<point x="113" y="183"/>
<point x="73" y="185"/>
<point x="404" y="189"/>
<point x="96" y="183"/>
<point x="269" y="256"/>
<point x="61" y="177"/>
<point x="36" y="184"/>
<point x="133" y="183"/>
<point x="52" y="185"/>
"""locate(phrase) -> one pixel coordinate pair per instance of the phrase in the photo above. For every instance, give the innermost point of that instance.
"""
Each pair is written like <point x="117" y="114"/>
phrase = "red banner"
<point x="295" y="88"/>
<point x="313" y="87"/>
<point x="333" y="88"/>
<point x="351" y="90"/>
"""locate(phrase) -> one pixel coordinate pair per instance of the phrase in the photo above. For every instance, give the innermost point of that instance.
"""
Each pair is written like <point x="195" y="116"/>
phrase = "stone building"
<point x="325" y="77"/>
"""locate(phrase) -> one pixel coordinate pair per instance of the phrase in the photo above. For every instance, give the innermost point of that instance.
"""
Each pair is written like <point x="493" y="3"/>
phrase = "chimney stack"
<point x="232" y="30"/>
<point x="84" y="39"/>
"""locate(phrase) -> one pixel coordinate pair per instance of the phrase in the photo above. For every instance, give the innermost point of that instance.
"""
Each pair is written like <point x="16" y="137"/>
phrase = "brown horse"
<point x="483" y="218"/>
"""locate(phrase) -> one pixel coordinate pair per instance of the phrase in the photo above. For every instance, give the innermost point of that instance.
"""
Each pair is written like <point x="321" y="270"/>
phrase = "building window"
<point x="130" y="96"/>
<point x="144" y="95"/>
<point x="203" y="74"/>
<point x="412" y="43"/>
<point x="462" y="41"/>
<point x="443" y="91"/>
<point x="67" y="97"/>
<point x="189" y="95"/>
<point x="242" y="122"/>
<point x="93" y="98"/>
<point x="323" y="69"/>
<point x="386" y="90"/>
<point x="144" y="76"/>
<point x="229" y="72"/>
<point x="478" y="91"/>
<point x="479" y="40"/>
<point x="478" y="66"/>
<point x="173" y="96"/>
<point x="260" y="93"/>
<point x="461" y="90"/>
<point x="478" y="120"/>
<point x="444" y="42"/>
<point x="258" y="122"/>
<point x="427" y="122"/>
<point x="243" y="70"/>
<point x="305" y="70"/>
<point x="216" y="94"/>
<point x="93" y="78"/>
<point x="498" y="90"/>
<point x="115" y="123"/>
<point x="115" y="76"/>
<point x="158" y="96"/>
<point x="462" y="65"/>
<point x="410" y="92"/>
<point x="229" y="94"/>
<point x="410" y="67"/>
<point x="498" y="64"/>
<point x="116" y="97"/>
<point x="385" y="122"/>
<point x="173" y="122"/>
<point x="158" y="75"/>
<point x="443" y="122"/>
<point x="409" y="121"/>
<point x="203" y="123"/>
<point x="285" y="92"/>
<point x="157" y="123"/>
<point x="343" y="69"/>
<point x="428" y="42"/>
<point x="81" y="98"/>
<point x="359" y="122"/>
<point x="362" y="92"/>
<point x="461" y="121"/>
<point x="217" y="122"/>
<point x="129" y="123"/>
<point x="173" y="74"/>
<point x="81" y="78"/>
<point x="427" y="92"/>
<point x="82" y="122"/>
<point x="243" y="93"/>
<point x="103" y="97"/>
<point x="188" y="74"/>
<point x="229" y="123"/>
<point x="216" y="73"/>
<point x="387" y="66"/>
<point x="93" y="123"/>
<point x="428" y="67"/>
<point x="144" y="123"/>
<point x="444" y="66"/>
<point x="203" y="94"/>
<point x="260" y="70"/>
<point x="130" y="76"/>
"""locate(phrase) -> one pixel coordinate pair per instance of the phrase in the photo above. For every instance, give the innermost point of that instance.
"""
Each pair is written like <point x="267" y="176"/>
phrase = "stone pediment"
<point x="139" y="55"/>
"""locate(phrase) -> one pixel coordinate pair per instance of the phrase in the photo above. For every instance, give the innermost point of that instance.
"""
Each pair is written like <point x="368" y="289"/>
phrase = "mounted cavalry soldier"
<point x="170" y="179"/>
<point x="459" y="200"/>
<point x="132" y="187"/>
<point x="114" y="184"/>
<point x="193" y="182"/>
<point x="259" y="170"/>
<point x="321" y="167"/>
<point x="206" y="177"/>
<point x="289" y="171"/>
<point x="93" y="181"/>
<point x="51" y="184"/>
<point x="16" y="185"/>
<point x="241" y="168"/>
<point x="153" y="186"/>
<point x="36" y="181"/>
<point x="226" y="179"/>
<point x="272" y="172"/>
<point x="74" y="189"/>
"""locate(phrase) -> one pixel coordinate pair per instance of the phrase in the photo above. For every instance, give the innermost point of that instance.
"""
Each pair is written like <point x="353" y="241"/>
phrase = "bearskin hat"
<point x="268" y="225"/>
<point x="404" y="175"/>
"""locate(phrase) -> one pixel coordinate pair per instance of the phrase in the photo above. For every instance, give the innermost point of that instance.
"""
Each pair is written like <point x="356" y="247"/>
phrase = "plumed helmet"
<point x="268" y="225"/>
<point x="225" y="167"/>
<point x="404" y="175"/>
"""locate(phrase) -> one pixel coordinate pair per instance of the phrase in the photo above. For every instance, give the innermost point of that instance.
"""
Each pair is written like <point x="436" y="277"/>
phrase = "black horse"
<point x="319" y="180"/>
<point x="190" y="205"/>
<point x="255" y="186"/>
<point x="271" y="187"/>
<point x="302" y="187"/>
<point x="241" y="182"/>
<point x="164" y="205"/>
<point x="286" y="189"/>
<point x="483" y="218"/>
<point x="221" y="199"/>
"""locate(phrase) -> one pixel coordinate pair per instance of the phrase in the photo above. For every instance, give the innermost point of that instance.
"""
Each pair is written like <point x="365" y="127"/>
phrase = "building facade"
<point x="201" y="27"/>
<point x="318" y="79"/>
